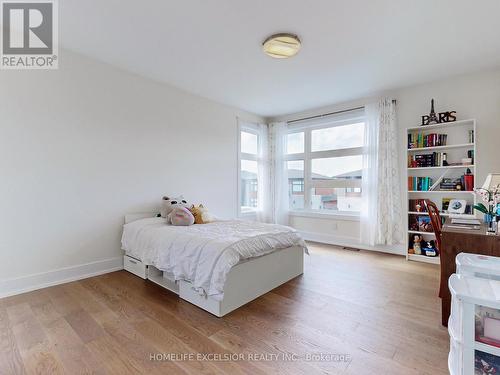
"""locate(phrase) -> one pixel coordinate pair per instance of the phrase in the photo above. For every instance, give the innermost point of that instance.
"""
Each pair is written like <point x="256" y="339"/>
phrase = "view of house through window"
<point x="249" y="185"/>
<point x="324" y="164"/>
<point x="249" y="168"/>
<point x="295" y="169"/>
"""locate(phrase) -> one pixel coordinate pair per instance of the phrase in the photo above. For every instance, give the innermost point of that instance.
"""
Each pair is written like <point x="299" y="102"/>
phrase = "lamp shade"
<point x="492" y="181"/>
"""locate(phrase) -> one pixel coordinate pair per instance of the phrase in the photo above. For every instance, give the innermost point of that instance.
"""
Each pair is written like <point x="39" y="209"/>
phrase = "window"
<point x="250" y="161"/>
<point x="295" y="143"/>
<point x="324" y="163"/>
<point x="249" y="143"/>
<point x="248" y="185"/>
<point x="338" y="137"/>
<point x="295" y="169"/>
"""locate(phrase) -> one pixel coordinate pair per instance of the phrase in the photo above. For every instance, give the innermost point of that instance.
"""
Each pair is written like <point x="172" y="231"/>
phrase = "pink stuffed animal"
<point x="181" y="216"/>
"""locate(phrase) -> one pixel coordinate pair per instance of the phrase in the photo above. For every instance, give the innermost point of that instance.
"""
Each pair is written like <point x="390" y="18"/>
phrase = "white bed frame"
<point x="245" y="282"/>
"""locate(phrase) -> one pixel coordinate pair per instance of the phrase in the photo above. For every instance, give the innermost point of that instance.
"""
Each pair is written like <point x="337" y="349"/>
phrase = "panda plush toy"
<point x="176" y="211"/>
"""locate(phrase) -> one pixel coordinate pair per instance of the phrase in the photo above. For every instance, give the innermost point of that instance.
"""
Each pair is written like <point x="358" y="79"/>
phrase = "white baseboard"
<point x="346" y="241"/>
<point x="32" y="282"/>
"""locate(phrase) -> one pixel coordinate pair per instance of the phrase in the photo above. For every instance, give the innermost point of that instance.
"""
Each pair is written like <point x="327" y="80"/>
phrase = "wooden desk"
<point x="455" y="241"/>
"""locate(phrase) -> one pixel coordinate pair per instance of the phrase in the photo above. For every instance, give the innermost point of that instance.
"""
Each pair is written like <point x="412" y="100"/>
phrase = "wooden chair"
<point x="437" y="225"/>
<point x="436" y="222"/>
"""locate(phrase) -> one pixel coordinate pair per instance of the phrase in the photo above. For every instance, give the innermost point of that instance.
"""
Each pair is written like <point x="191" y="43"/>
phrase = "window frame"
<point x="308" y="155"/>
<point x="251" y="128"/>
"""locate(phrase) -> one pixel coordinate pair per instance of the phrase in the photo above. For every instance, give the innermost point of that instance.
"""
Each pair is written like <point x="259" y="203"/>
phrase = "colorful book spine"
<point x="420" y="140"/>
<point x="419" y="183"/>
<point x="426" y="160"/>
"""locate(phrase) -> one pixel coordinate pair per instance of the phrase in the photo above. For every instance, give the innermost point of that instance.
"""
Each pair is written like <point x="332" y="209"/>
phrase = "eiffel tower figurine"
<point x="432" y="116"/>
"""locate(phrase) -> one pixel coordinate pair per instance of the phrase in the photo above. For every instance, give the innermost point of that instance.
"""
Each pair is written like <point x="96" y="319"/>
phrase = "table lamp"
<point x="492" y="182"/>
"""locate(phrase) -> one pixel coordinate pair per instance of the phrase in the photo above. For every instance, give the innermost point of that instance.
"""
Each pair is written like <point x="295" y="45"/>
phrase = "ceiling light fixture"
<point x="281" y="46"/>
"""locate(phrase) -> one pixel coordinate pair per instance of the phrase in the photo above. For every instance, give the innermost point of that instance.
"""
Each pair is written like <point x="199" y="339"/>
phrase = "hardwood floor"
<point x="380" y="311"/>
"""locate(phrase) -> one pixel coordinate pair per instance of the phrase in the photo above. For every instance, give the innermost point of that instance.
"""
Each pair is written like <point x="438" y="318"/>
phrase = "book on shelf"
<point x="420" y="223"/>
<point x="470" y="154"/>
<point x="420" y="140"/>
<point x="449" y="183"/>
<point x="424" y="224"/>
<point x="471" y="136"/>
<point x="436" y="159"/>
<point x="445" y="203"/>
<point x="438" y="181"/>
<point x="463" y="183"/>
<point x="419" y="183"/>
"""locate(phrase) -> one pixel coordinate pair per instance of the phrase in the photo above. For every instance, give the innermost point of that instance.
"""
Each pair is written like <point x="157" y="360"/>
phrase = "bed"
<point x="218" y="266"/>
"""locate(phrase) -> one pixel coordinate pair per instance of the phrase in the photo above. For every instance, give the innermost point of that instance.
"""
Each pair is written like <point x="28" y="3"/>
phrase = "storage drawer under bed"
<point x="135" y="266"/>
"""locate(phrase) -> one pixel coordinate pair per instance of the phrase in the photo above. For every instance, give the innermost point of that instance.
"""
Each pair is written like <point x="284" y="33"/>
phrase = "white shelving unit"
<point x="446" y="167"/>
<point x="474" y="291"/>
<point x="419" y="232"/>
<point x="423" y="258"/>
<point x="444" y="214"/>
<point x="445" y="192"/>
<point x="457" y="145"/>
<point x="439" y="148"/>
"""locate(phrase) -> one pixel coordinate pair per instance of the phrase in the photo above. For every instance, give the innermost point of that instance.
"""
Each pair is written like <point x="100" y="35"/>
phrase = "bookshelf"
<point x="434" y="161"/>
<point x="446" y="167"/>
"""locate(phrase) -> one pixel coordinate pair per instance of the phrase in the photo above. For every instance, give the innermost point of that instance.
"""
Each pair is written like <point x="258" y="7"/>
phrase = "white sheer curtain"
<point x="381" y="220"/>
<point x="279" y="177"/>
<point x="264" y="209"/>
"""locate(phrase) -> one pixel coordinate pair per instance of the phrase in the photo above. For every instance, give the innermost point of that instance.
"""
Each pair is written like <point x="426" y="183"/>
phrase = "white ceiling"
<point x="350" y="48"/>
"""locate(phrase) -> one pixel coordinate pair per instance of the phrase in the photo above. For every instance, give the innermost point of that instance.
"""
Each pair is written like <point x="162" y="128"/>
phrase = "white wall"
<point x="85" y="144"/>
<point x="472" y="96"/>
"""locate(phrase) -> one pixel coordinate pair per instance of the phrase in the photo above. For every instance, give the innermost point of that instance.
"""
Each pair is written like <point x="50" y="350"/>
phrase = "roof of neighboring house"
<point x="329" y="198"/>
<point x="298" y="174"/>
<point x="355" y="174"/>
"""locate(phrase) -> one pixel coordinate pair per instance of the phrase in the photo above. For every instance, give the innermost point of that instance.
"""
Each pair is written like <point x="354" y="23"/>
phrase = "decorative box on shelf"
<point x="474" y="324"/>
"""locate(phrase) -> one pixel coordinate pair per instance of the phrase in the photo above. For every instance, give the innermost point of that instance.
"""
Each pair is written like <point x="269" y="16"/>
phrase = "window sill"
<point x="247" y="214"/>
<point x="347" y="216"/>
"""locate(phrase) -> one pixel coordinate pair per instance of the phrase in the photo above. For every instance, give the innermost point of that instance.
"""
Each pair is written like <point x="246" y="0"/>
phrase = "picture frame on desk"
<point x="457" y="206"/>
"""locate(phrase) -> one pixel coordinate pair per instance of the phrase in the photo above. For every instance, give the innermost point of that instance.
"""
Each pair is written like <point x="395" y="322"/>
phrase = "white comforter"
<point x="203" y="254"/>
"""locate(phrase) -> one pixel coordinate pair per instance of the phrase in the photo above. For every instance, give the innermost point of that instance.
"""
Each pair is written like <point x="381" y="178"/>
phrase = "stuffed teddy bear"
<point x="168" y="204"/>
<point x="176" y="211"/>
<point x="201" y="215"/>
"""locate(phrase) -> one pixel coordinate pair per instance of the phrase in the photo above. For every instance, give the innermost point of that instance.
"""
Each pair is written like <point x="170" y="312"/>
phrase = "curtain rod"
<point x="330" y="113"/>
<point x="325" y="114"/>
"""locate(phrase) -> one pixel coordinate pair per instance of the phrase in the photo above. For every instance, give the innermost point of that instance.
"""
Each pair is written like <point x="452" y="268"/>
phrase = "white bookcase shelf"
<point x="445" y="167"/>
<point x="441" y="126"/>
<point x="422" y="233"/>
<point x="458" y="143"/>
<point x="447" y="192"/>
<point x="487" y="348"/>
<point x="438" y="148"/>
<point x="444" y="214"/>
<point x="423" y="258"/>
